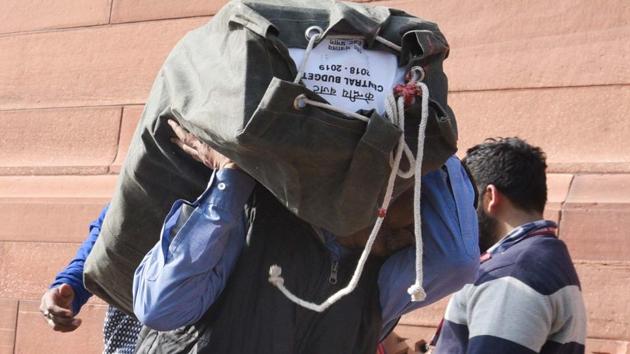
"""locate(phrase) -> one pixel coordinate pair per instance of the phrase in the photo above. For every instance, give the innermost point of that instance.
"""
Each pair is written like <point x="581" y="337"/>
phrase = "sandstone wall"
<point x="75" y="74"/>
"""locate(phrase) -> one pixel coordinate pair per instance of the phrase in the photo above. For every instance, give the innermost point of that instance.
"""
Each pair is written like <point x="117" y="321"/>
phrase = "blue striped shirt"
<point x="527" y="299"/>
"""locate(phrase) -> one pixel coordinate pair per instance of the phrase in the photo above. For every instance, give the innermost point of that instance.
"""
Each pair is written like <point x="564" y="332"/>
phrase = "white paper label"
<point x="347" y="75"/>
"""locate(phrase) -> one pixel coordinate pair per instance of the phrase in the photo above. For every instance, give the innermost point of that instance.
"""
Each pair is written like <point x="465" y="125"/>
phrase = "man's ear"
<point x="492" y="200"/>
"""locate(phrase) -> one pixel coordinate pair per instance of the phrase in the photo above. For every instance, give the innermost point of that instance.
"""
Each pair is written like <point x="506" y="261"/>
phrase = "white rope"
<point x="391" y="110"/>
<point x="416" y="291"/>
<point x="387" y="43"/>
<point x="275" y="271"/>
<point x="313" y="35"/>
<point x="396" y="113"/>
<point x="394" y="117"/>
<point x="397" y="117"/>
<point x="412" y="163"/>
<point x="301" y="101"/>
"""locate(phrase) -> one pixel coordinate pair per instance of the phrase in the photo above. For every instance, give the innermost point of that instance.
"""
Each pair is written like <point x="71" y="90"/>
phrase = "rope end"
<point x="275" y="275"/>
<point x="417" y="293"/>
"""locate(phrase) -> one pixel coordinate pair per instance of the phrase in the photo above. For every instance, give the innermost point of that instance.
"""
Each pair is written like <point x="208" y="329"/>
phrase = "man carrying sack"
<point x="205" y="285"/>
<point x="334" y="109"/>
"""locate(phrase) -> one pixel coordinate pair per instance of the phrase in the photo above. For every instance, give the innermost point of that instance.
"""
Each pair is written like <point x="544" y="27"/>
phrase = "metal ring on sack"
<point x="312" y="31"/>
<point x="417" y="73"/>
<point x="300" y="102"/>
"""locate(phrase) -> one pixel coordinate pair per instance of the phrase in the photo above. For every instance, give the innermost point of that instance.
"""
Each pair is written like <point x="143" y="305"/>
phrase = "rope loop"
<point x="417" y="74"/>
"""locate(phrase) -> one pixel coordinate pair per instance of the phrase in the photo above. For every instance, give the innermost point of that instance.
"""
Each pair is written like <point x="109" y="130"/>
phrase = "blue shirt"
<point x="72" y="274"/>
<point x="187" y="269"/>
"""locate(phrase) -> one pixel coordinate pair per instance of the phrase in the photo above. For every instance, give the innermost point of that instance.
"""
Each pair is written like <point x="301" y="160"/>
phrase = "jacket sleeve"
<point x="184" y="273"/>
<point x="72" y="274"/>
<point x="451" y="250"/>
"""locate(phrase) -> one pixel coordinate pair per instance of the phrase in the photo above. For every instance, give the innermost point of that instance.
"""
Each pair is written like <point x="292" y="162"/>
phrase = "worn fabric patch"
<point x="347" y="75"/>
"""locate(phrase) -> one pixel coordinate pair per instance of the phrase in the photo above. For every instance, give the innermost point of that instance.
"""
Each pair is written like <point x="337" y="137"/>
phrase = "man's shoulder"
<point x="543" y="263"/>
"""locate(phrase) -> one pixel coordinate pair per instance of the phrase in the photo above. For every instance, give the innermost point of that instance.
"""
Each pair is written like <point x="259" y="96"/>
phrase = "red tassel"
<point x="409" y="91"/>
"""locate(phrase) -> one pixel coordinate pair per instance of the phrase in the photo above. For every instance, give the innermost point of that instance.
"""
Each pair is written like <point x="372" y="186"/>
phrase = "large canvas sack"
<point x="230" y="83"/>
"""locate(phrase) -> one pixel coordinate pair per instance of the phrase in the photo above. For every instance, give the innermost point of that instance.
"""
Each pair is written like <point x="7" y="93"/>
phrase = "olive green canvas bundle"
<point x="231" y="83"/>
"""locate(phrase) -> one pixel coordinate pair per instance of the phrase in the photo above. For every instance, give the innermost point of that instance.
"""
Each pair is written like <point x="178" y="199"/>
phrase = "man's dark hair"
<point x="516" y="168"/>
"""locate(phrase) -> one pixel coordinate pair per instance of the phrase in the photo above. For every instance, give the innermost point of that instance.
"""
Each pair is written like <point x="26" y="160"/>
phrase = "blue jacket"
<point x="72" y="274"/>
<point x="186" y="271"/>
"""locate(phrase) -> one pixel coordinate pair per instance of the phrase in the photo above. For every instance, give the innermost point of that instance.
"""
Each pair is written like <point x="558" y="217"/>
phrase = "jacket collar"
<point x="535" y="228"/>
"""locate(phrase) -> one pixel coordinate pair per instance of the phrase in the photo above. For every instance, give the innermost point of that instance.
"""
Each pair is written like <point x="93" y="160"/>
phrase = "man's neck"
<point x="515" y="219"/>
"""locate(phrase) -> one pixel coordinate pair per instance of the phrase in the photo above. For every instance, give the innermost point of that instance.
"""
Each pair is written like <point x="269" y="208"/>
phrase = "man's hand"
<point x="199" y="150"/>
<point x="56" y="306"/>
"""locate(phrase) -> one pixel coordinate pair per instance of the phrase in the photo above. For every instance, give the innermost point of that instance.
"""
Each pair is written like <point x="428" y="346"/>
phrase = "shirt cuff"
<point x="81" y="295"/>
<point x="229" y="189"/>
